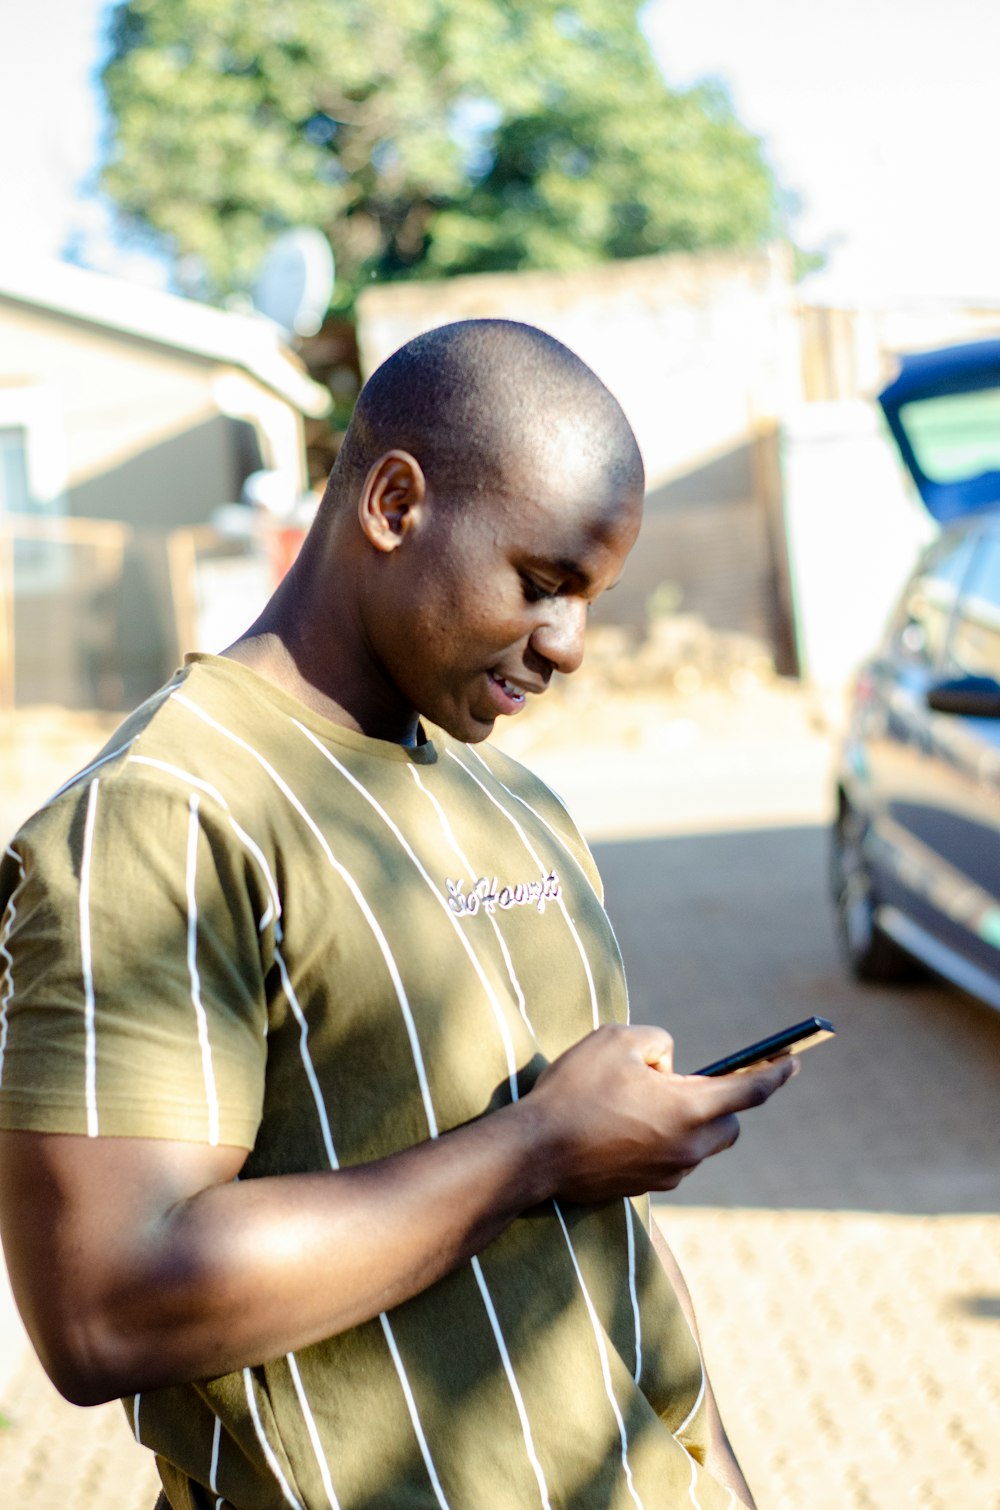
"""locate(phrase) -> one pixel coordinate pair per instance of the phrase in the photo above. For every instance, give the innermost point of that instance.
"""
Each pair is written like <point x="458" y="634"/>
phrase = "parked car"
<point x="916" y="839"/>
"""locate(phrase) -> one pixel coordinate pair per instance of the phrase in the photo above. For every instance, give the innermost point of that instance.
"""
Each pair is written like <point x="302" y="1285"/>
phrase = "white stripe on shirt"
<point x="86" y="963"/>
<point x="213" y="1472"/>
<point x="411" y="1406"/>
<point x="515" y="1388"/>
<point x="266" y="1448"/>
<point x="207" y="1067"/>
<point x="701" y="1388"/>
<point x="310" y="1420"/>
<point x="273" y="909"/>
<point x="603" y="1354"/>
<point x="8" y="972"/>
<point x="307" y="1063"/>
<point x="696" y="1502"/>
<point x="630" y="1228"/>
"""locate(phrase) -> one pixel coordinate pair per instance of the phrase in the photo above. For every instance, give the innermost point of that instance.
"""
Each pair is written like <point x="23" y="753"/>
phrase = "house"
<point x="127" y="415"/>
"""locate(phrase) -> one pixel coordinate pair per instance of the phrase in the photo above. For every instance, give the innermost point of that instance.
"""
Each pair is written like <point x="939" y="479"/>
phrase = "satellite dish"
<point x="295" y="281"/>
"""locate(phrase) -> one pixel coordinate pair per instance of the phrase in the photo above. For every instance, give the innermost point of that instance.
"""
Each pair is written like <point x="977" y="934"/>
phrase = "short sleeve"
<point x="132" y="969"/>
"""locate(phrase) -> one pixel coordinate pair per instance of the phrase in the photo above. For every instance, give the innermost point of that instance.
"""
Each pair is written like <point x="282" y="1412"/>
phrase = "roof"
<point x="249" y="341"/>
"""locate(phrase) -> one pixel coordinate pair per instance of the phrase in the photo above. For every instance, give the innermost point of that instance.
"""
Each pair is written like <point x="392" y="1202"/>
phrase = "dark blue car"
<point x="916" y="842"/>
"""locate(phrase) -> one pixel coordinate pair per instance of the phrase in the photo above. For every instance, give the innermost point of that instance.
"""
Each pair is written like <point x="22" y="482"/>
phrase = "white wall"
<point x="695" y="348"/>
<point x="854" y="526"/>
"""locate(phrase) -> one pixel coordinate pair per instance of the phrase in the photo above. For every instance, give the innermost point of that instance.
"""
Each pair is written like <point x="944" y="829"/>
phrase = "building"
<point x="127" y="416"/>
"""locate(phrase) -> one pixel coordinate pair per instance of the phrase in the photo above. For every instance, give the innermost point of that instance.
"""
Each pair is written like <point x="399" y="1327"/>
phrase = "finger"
<point x="656" y="1047"/>
<point x="720" y="1134"/>
<point x="753" y="1087"/>
<point x="714" y="1137"/>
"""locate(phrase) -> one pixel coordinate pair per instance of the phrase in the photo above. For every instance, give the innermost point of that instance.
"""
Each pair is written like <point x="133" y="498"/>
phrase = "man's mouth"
<point x="512" y="693"/>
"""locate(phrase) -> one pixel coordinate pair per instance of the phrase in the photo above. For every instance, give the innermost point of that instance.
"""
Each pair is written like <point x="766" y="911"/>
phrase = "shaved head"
<point x="478" y="402"/>
<point x="488" y="491"/>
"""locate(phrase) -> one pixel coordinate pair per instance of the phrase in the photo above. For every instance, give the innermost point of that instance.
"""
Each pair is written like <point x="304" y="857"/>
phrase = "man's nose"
<point x="560" y="637"/>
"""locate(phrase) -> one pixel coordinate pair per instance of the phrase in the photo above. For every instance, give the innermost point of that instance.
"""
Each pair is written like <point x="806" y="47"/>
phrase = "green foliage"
<point x="426" y="137"/>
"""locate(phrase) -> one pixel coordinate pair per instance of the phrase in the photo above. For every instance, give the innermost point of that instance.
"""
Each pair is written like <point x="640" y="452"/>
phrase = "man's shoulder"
<point x="181" y="739"/>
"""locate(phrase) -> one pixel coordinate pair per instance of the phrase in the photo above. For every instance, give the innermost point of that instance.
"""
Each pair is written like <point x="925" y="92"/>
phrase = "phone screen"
<point x="804" y="1035"/>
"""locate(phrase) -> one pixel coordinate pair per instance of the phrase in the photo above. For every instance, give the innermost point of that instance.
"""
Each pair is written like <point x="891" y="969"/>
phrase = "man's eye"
<point x="533" y="591"/>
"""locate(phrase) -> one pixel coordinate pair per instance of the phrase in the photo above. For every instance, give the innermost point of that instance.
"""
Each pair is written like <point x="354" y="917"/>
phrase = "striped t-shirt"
<point x="246" y="925"/>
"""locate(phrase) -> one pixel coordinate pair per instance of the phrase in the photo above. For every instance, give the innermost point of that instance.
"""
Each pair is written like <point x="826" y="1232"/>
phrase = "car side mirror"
<point x="968" y="696"/>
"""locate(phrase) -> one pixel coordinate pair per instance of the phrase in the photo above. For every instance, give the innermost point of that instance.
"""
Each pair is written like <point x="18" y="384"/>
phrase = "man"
<point x="321" y="1115"/>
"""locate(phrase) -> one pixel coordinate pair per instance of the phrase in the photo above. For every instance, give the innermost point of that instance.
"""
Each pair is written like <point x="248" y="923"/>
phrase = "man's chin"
<point x="483" y="731"/>
<point x="465" y="727"/>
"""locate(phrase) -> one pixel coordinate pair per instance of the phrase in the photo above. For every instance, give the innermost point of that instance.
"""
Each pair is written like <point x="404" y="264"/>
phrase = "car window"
<point x="955" y="435"/>
<point x="920" y="628"/>
<point x="975" y="643"/>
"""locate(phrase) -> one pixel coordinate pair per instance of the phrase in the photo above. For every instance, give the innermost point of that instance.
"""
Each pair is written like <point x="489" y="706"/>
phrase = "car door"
<point x="908" y="769"/>
<point x="965" y="758"/>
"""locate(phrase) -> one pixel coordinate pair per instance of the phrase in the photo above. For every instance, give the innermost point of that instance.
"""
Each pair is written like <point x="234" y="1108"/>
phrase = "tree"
<point x="426" y="137"/>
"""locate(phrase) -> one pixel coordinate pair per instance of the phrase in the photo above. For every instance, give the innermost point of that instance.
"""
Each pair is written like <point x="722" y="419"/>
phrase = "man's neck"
<point x="266" y="653"/>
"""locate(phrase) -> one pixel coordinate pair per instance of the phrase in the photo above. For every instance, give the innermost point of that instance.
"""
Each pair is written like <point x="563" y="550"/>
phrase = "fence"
<point x="94" y="614"/>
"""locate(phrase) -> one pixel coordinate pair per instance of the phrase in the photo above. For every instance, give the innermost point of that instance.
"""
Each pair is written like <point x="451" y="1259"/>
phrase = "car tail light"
<point x="864" y="694"/>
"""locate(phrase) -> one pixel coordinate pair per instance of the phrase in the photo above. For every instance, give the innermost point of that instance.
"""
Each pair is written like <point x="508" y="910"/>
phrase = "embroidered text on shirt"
<point x="487" y="895"/>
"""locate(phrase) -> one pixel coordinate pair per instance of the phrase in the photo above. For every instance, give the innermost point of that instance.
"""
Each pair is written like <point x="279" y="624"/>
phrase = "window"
<point x="32" y="486"/>
<point x="15" y="494"/>
<point x="975" y="646"/>
<point x="955" y="435"/>
<point x="923" y="619"/>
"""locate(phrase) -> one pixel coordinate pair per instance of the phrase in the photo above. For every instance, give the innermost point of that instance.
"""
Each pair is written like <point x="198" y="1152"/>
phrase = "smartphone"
<point x="790" y="1041"/>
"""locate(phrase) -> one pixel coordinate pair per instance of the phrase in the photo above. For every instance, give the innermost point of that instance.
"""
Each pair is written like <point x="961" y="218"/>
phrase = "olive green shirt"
<point x="245" y="925"/>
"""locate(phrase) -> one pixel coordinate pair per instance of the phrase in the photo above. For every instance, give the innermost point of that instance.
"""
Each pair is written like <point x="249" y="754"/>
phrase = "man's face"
<point x="490" y="593"/>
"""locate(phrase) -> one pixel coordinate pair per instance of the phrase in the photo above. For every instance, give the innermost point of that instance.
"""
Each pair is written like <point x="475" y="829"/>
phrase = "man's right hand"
<point x="619" y="1121"/>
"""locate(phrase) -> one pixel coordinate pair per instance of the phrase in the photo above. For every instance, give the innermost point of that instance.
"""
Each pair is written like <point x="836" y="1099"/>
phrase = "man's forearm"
<point x="244" y="1271"/>
<point x="139" y="1263"/>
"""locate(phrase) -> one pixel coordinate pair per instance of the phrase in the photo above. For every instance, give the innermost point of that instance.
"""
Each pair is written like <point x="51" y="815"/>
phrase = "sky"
<point x="879" y="115"/>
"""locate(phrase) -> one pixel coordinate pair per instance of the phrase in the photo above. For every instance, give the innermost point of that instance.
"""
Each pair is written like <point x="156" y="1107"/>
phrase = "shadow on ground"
<point x="727" y="937"/>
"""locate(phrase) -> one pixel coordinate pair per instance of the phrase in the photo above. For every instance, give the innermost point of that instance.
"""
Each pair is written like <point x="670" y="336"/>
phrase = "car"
<point x="915" y="854"/>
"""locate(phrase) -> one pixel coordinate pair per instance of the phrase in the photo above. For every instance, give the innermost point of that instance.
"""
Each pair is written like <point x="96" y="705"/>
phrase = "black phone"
<point x="793" y="1040"/>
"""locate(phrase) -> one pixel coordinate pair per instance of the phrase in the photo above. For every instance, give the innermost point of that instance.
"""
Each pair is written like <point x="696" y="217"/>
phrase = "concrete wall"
<point x="696" y="349"/>
<point x="699" y="352"/>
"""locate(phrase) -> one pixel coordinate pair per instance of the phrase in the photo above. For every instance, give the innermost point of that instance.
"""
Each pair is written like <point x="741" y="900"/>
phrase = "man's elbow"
<point x="81" y="1388"/>
<point x="87" y="1362"/>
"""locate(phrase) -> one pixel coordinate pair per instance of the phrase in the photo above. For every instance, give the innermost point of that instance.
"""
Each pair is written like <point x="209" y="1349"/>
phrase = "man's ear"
<point x="392" y="497"/>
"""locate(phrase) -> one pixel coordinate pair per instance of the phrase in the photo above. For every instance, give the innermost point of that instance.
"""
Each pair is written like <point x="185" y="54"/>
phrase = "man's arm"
<point x="720" y="1459"/>
<point x="139" y="1263"/>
